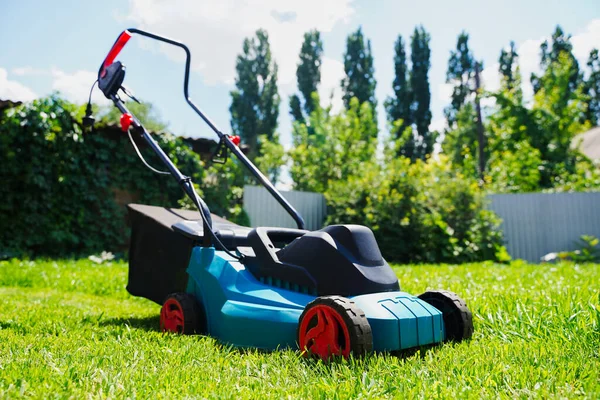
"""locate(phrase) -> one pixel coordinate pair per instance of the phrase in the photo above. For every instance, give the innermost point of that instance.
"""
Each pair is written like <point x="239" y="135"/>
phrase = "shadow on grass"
<point x="421" y="352"/>
<point x="150" y="324"/>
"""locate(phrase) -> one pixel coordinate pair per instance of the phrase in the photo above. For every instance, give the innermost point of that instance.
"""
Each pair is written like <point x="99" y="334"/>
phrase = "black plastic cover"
<point x="161" y="243"/>
<point x="337" y="260"/>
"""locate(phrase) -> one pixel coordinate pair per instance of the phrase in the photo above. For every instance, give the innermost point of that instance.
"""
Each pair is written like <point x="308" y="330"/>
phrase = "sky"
<point x="58" y="45"/>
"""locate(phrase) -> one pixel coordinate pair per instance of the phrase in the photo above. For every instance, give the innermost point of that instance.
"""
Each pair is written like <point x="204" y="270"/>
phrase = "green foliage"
<point x="143" y="111"/>
<point x="332" y="147"/>
<point x="419" y="212"/>
<point x="423" y="211"/>
<point x="255" y="101"/>
<point x="529" y="146"/>
<point x="516" y="170"/>
<point x="70" y="329"/>
<point x="421" y="95"/>
<point x="59" y="183"/>
<point x="588" y="252"/>
<point x="558" y="112"/>
<point x="592" y="88"/>
<point x="560" y="47"/>
<point x="508" y="65"/>
<point x="460" y="143"/>
<point x="308" y="75"/>
<point x="223" y="191"/>
<point x="272" y="156"/>
<point x="409" y="107"/>
<point x="296" y="108"/>
<point x="360" y="72"/>
<point x="461" y="71"/>
<point x="584" y="177"/>
<point x="398" y="106"/>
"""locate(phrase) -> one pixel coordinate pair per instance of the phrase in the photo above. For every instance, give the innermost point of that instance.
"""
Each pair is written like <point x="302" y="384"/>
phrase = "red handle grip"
<point x="117" y="47"/>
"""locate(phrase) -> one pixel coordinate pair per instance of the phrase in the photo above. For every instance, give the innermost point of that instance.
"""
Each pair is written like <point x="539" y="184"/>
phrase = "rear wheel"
<point x="334" y="326"/>
<point x="458" y="320"/>
<point x="180" y="313"/>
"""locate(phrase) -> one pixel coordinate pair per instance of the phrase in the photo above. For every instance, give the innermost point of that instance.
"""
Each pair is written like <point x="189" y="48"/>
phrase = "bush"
<point x="59" y="184"/>
<point x="420" y="212"/>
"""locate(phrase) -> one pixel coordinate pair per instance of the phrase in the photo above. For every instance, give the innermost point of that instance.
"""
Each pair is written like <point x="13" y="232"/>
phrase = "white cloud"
<point x="438" y="125"/>
<point x="214" y="29"/>
<point x="13" y="90"/>
<point x="585" y="41"/>
<point x="490" y="78"/>
<point x="76" y="86"/>
<point x="332" y="72"/>
<point x="28" y="71"/>
<point x="444" y="92"/>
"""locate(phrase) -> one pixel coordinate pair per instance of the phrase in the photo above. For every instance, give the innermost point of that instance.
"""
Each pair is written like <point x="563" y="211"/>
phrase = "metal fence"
<point x="264" y="210"/>
<point x="535" y="224"/>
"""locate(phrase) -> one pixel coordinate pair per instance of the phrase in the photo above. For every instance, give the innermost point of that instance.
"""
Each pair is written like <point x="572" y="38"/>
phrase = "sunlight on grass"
<point x="69" y="329"/>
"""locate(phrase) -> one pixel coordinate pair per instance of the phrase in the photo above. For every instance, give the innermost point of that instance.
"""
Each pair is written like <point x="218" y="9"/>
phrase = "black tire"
<point x="458" y="319"/>
<point x="182" y="314"/>
<point x="350" y="319"/>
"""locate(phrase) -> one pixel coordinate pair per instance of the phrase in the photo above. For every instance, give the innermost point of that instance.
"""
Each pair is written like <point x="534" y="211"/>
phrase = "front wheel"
<point x="334" y="326"/>
<point x="458" y="320"/>
<point x="181" y="313"/>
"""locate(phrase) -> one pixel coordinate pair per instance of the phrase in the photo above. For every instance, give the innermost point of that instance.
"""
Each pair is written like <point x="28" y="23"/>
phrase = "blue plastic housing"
<point x="246" y="312"/>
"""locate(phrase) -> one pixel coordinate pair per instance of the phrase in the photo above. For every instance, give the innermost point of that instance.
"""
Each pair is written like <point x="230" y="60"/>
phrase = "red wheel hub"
<point x="171" y="316"/>
<point x="328" y="337"/>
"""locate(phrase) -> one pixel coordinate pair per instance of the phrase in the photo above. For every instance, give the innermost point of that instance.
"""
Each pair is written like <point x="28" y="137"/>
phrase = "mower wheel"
<point x="334" y="326"/>
<point x="181" y="313"/>
<point x="458" y="320"/>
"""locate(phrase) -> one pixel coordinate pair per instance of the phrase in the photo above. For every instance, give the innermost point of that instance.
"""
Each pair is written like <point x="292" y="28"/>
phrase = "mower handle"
<point x="116" y="49"/>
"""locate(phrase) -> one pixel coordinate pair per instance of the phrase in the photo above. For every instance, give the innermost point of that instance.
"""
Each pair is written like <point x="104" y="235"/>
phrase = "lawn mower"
<point x="327" y="292"/>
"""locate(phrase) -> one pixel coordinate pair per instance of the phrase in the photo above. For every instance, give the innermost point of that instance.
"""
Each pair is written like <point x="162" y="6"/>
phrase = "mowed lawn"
<point x="69" y="329"/>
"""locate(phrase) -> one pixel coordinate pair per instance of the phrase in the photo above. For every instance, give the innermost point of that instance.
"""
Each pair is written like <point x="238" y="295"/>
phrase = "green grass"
<point x="69" y="329"/>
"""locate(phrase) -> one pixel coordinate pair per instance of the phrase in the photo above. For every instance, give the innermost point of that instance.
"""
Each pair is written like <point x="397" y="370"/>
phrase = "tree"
<point x="460" y="142"/>
<point x="308" y="75"/>
<point x="592" y="88"/>
<point x="461" y="70"/>
<point x="421" y="95"/>
<point x="515" y="171"/>
<point x="296" y="108"/>
<point x="550" y="54"/>
<point x="255" y="101"/>
<point x="558" y="111"/>
<point x="543" y="131"/>
<point x="508" y="65"/>
<point x="360" y="73"/>
<point x="398" y="106"/>
<point x="335" y="148"/>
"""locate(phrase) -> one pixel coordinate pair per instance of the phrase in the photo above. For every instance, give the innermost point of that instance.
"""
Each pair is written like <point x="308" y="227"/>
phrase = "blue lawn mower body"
<point x="247" y="312"/>
<point x="327" y="292"/>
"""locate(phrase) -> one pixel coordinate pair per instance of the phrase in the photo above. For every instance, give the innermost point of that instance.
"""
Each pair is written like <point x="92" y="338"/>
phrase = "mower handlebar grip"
<point x="116" y="48"/>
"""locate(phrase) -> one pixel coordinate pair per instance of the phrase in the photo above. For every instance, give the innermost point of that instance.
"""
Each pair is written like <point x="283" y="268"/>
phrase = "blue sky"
<point x="59" y="45"/>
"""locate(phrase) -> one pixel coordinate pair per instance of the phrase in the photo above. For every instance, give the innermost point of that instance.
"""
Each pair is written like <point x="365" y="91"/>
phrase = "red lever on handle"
<point x="117" y="47"/>
<point x="126" y="121"/>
